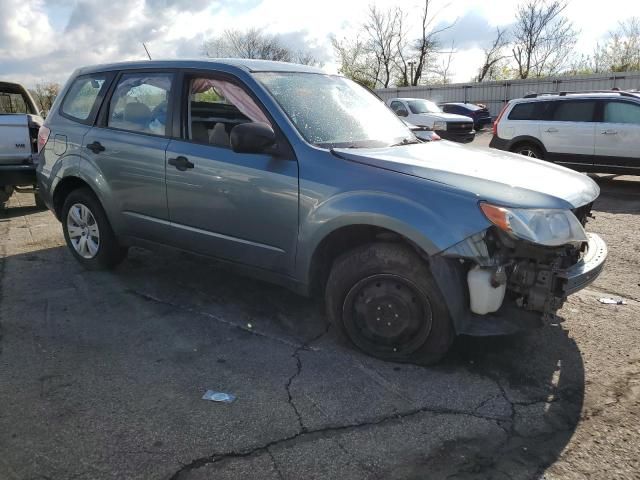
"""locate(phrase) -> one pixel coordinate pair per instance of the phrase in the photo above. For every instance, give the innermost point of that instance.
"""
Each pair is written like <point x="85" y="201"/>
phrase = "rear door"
<point x="569" y="135"/>
<point x="618" y="135"/>
<point x="127" y="147"/>
<point x="236" y="206"/>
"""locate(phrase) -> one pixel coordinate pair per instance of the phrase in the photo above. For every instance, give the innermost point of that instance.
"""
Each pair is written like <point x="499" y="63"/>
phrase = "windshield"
<point x="333" y="112"/>
<point x="423" y="106"/>
<point x="11" y="102"/>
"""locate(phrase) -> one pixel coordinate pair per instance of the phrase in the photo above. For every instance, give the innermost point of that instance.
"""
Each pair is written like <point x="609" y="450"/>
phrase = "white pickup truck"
<point x="19" y="125"/>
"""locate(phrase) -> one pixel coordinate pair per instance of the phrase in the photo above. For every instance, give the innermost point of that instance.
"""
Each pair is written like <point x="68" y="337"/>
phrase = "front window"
<point x="423" y="106"/>
<point x="331" y="111"/>
<point x="215" y="107"/>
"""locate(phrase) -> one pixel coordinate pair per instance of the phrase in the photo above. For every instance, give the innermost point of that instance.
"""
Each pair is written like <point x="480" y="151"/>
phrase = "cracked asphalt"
<point x="102" y="374"/>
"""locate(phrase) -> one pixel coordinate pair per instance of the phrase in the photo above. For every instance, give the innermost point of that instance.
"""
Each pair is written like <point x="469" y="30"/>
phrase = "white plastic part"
<point x="485" y="298"/>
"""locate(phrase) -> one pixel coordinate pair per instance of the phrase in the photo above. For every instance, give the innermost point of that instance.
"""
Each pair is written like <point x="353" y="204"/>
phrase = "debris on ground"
<point x="218" y="396"/>
<point x="612" y="301"/>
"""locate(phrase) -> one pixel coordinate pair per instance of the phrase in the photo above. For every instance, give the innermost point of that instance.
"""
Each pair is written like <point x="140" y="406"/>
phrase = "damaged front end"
<point x="510" y="283"/>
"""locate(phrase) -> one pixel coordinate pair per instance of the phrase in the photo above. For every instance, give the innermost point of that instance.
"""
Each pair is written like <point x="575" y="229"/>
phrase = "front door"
<point x="618" y="136"/>
<point x="239" y="207"/>
<point x="128" y="147"/>
<point x="569" y="136"/>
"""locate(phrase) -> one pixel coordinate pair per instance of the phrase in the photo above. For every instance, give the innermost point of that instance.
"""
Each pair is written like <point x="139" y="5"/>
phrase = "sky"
<point x="45" y="40"/>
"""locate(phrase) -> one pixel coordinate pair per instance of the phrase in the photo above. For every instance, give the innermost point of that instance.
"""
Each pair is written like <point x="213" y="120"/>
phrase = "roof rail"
<point x="622" y="93"/>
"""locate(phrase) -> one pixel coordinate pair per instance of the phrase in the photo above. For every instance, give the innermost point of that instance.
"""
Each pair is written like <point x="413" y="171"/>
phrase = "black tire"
<point x="529" y="150"/>
<point x="384" y="300"/>
<point x="40" y="205"/>
<point x="109" y="252"/>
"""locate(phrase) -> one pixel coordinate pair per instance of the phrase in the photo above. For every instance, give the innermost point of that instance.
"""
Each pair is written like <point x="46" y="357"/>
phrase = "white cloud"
<point x="47" y="40"/>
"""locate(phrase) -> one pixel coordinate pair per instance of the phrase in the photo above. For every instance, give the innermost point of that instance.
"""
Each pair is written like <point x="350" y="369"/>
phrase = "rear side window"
<point x="140" y="103"/>
<point x="622" y="112"/>
<point x="80" y="101"/>
<point x="575" y="111"/>
<point x="531" y="111"/>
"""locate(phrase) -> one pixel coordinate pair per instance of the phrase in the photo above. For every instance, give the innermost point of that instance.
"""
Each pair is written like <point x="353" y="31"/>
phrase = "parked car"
<point x="423" y="133"/>
<point x="308" y="180"/>
<point x="425" y="113"/>
<point x="587" y="131"/>
<point x="19" y="125"/>
<point x="478" y="113"/>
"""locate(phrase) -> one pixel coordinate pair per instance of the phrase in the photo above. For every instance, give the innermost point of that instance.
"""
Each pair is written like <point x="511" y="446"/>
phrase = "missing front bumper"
<point x="587" y="269"/>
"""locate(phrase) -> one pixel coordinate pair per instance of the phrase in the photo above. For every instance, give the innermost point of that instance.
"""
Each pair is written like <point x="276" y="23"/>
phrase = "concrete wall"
<point x="495" y="94"/>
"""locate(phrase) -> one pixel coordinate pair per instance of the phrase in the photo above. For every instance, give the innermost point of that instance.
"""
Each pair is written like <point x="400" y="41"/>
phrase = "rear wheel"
<point x="383" y="299"/>
<point x="529" y="150"/>
<point x="88" y="233"/>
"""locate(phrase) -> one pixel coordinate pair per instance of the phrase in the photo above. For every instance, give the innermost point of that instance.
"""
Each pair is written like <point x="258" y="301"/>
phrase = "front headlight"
<point x="439" y="125"/>
<point x="548" y="227"/>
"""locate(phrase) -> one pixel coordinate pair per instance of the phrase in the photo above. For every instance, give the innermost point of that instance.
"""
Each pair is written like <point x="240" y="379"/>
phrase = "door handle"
<point x="181" y="163"/>
<point x="609" y="132"/>
<point x="96" y="147"/>
<point x="551" y="130"/>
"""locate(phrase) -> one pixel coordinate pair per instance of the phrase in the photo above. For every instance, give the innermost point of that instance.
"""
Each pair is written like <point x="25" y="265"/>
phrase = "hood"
<point x="503" y="178"/>
<point x="447" y="117"/>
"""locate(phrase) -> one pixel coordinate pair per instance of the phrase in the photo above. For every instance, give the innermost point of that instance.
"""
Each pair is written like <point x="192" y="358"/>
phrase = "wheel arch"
<point x="525" y="139"/>
<point x="63" y="188"/>
<point x="346" y="238"/>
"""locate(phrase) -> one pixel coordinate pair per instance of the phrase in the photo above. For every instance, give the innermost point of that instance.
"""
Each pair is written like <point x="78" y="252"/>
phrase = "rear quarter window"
<point x="531" y="111"/>
<point x="81" y="99"/>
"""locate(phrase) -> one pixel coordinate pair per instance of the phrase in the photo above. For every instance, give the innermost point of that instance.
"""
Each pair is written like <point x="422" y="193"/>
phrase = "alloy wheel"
<point x="83" y="231"/>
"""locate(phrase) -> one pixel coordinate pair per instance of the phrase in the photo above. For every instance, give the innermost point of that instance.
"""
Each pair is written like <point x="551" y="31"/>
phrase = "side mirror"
<point x="254" y="137"/>
<point x="402" y="112"/>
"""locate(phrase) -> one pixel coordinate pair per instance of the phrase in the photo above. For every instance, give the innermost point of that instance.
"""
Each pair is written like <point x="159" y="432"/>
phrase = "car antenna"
<point x="146" y="50"/>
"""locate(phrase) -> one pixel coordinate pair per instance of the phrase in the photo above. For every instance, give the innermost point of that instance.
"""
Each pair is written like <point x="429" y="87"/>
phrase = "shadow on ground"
<point x="102" y="375"/>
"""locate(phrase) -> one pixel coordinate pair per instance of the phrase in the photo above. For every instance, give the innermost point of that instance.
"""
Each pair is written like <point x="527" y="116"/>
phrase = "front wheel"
<point x="88" y="233"/>
<point x="383" y="298"/>
<point x="529" y="150"/>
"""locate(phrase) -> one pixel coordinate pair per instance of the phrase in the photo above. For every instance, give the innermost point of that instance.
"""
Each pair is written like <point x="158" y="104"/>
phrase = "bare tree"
<point x="254" y="43"/>
<point x="542" y="37"/>
<point x="440" y="72"/>
<point x="493" y="56"/>
<point x="382" y="28"/>
<point x="45" y="94"/>
<point x="426" y="47"/>
<point x="382" y="52"/>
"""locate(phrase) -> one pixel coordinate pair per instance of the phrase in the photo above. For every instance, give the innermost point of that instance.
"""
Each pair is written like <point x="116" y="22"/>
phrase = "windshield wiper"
<point x="406" y="141"/>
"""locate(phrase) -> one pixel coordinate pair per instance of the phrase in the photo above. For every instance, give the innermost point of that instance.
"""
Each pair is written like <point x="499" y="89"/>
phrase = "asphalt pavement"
<point x="102" y="374"/>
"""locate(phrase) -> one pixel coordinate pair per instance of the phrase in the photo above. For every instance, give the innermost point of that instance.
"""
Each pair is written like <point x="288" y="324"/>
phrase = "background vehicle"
<point x="478" y="113"/>
<point x="423" y="133"/>
<point x="19" y="124"/>
<point x="586" y="131"/>
<point x="308" y="180"/>
<point x="425" y="113"/>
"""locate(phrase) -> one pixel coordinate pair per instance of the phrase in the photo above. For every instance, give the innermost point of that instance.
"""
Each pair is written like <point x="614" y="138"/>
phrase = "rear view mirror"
<point x="253" y="137"/>
<point x="402" y="112"/>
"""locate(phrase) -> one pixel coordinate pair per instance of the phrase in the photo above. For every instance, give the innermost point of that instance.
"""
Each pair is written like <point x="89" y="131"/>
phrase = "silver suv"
<point x="308" y="180"/>
<point x="588" y="131"/>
